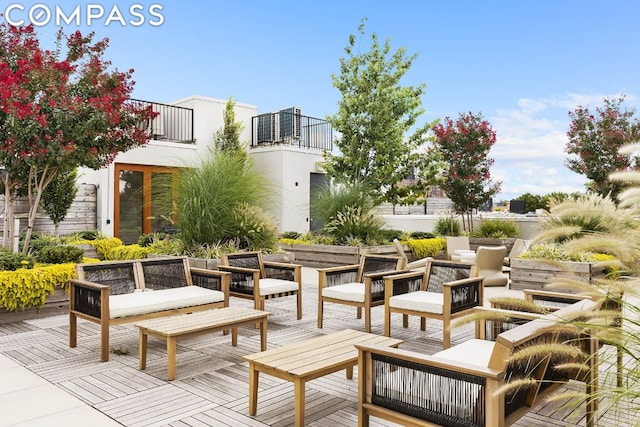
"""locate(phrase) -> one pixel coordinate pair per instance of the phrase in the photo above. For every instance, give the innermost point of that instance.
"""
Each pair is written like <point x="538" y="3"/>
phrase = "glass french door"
<point x="144" y="201"/>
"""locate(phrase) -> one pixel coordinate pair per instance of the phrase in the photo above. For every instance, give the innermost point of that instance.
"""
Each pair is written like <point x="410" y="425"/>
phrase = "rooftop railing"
<point x="288" y="127"/>
<point x="173" y="123"/>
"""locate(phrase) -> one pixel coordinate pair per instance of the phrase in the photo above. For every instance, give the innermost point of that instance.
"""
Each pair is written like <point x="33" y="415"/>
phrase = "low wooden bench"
<point x="457" y="386"/>
<point x="116" y="292"/>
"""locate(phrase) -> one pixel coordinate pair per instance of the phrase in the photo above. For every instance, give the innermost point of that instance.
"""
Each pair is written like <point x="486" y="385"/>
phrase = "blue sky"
<point x="522" y="64"/>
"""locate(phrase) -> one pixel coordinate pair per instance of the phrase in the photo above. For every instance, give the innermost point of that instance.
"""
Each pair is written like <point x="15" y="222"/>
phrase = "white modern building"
<point x="286" y="146"/>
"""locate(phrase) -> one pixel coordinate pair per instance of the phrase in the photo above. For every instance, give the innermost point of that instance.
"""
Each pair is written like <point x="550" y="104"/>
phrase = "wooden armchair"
<point x="444" y="290"/>
<point x="256" y="279"/>
<point x="360" y="285"/>
<point x="458" y="386"/>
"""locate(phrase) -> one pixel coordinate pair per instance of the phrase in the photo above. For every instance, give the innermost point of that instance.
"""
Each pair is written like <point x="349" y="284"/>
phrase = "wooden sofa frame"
<point x="461" y="293"/>
<point x="95" y="282"/>
<point x="371" y="271"/>
<point x="453" y="391"/>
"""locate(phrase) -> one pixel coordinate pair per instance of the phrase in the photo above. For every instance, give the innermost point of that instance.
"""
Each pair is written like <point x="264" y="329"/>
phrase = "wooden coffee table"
<point x="170" y="328"/>
<point x="307" y="360"/>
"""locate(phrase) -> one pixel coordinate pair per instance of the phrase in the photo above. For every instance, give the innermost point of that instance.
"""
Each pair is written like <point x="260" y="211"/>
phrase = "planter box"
<point x="323" y="256"/>
<point x="212" y="264"/>
<point x="475" y="242"/>
<point x="535" y="274"/>
<point x="55" y="304"/>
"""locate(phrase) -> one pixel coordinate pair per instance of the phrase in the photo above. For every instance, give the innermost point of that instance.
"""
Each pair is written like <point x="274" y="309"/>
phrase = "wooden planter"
<point x="212" y="264"/>
<point x="535" y="274"/>
<point x="55" y="304"/>
<point x="322" y="256"/>
<point x="475" y="242"/>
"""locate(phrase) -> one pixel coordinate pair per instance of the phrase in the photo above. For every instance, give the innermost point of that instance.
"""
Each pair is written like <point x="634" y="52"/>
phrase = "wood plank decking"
<point x="212" y="385"/>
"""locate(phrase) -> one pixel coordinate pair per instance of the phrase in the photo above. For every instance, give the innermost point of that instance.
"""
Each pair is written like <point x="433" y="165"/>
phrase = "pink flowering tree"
<point x="59" y="110"/>
<point x="594" y="142"/>
<point x="465" y="145"/>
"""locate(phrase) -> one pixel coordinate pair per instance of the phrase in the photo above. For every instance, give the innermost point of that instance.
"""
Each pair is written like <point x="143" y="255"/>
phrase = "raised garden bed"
<point x="322" y="256"/>
<point x="55" y="304"/>
<point x="535" y="274"/>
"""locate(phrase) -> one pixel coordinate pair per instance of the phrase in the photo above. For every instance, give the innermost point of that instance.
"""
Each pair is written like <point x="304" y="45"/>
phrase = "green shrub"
<point x="253" y="228"/>
<point x="447" y="226"/>
<point x="496" y="228"/>
<point x="355" y="222"/>
<point x="416" y="235"/>
<point x="89" y="235"/>
<point x="11" y="261"/>
<point x="39" y="241"/>
<point x="290" y="235"/>
<point x="423" y="248"/>
<point x="148" y="239"/>
<point x="60" y="254"/>
<point x="209" y="193"/>
<point x="331" y="200"/>
<point x="387" y="235"/>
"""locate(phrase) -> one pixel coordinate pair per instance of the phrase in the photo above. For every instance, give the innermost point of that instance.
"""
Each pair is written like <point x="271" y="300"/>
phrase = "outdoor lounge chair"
<point x="360" y="285"/>
<point x="457" y="243"/>
<point x="256" y="279"/>
<point x="443" y="290"/>
<point x="488" y="263"/>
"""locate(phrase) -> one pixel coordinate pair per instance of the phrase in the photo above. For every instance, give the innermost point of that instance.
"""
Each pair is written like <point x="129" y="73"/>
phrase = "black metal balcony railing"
<point x="288" y="127"/>
<point x="173" y="123"/>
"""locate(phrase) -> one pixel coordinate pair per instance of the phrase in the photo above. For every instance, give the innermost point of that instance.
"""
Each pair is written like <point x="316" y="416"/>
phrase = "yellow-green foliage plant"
<point x="423" y="248"/>
<point x="103" y="246"/>
<point x="27" y="288"/>
<point x="124" y="252"/>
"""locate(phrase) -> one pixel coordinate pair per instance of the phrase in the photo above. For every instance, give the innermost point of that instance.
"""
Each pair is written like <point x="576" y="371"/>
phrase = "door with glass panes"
<point x="144" y="201"/>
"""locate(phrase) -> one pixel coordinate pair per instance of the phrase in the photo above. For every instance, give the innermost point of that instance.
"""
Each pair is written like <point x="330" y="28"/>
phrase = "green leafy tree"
<point x="374" y="118"/>
<point x="59" y="111"/>
<point x="534" y="201"/>
<point x="594" y="141"/>
<point x="465" y="145"/>
<point x="228" y="137"/>
<point x="58" y="196"/>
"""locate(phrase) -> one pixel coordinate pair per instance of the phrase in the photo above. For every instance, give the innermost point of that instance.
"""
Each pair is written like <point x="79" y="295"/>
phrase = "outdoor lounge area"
<point x="211" y="385"/>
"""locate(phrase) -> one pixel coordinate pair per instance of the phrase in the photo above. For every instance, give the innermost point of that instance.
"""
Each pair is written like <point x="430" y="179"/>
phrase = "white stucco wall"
<point x="207" y="117"/>
<point x="288" y="170"/>
<point x="528" y="227"/>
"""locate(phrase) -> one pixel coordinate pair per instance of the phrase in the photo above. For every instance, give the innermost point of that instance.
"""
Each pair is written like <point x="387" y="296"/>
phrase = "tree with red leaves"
<point x="465" y="145"/>
<point x="59" y="110"/>
<point x="595" y="140"/>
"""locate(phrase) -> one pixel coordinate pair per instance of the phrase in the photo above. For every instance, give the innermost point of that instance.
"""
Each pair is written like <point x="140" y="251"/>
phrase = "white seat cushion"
<point x="429" y="302"/>
<point x="138" y="303"/>
<point x="276" y="286"/>
<point x="473" y="351"/>
<point x="348" y="292"/>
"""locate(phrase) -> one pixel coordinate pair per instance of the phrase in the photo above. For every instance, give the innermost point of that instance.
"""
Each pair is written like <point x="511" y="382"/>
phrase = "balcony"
<point x="289" y="127"/>
<point x="172" y="124"/>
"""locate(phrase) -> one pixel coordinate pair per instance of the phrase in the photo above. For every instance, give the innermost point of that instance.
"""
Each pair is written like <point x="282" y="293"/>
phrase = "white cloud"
<point x="529" y="151"/>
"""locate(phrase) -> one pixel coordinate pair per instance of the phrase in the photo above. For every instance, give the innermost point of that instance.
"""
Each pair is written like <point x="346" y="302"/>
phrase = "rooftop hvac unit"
<point x="290" y="123"/>
<point x="268" y="128"/>
<point x="158" y="126"/>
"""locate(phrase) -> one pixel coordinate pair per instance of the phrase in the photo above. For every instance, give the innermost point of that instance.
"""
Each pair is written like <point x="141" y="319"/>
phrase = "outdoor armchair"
<point x="360" y="285"/>
<point x="256" y="279"/>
